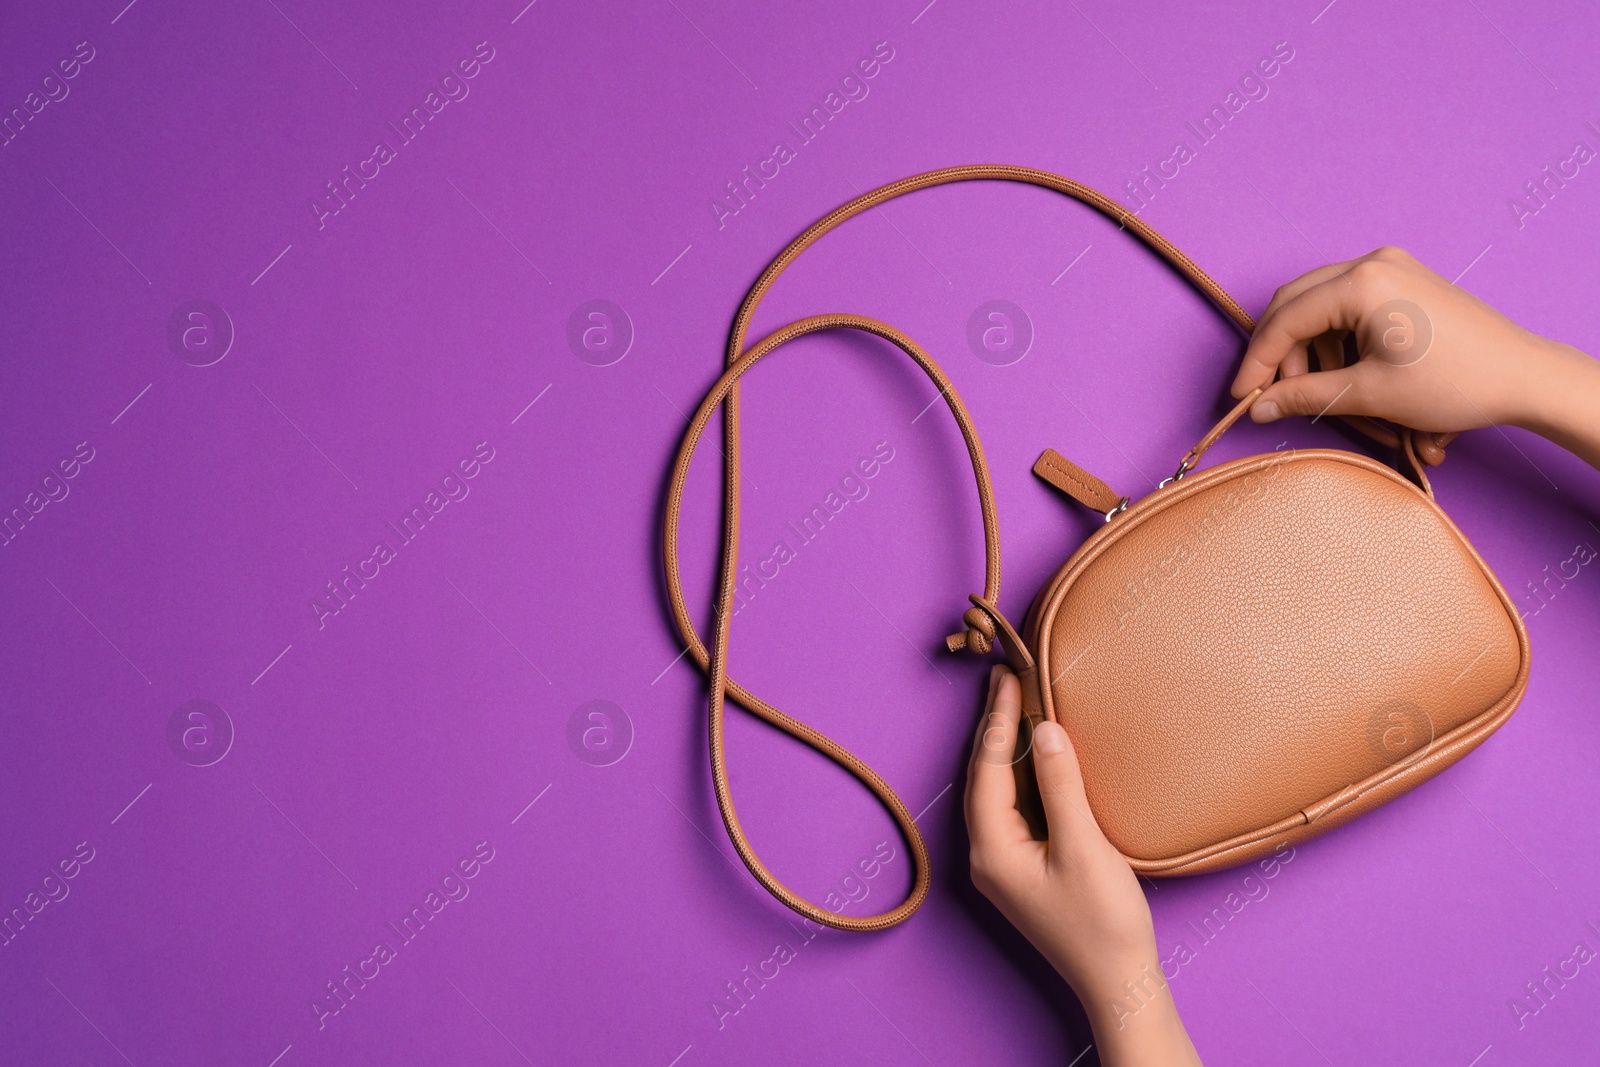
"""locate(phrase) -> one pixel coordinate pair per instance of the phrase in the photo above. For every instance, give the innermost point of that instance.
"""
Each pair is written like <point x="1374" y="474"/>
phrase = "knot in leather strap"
<point x="979" y="638"/>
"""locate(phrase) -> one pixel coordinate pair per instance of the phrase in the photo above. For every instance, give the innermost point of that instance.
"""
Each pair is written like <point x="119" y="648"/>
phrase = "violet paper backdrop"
<point x="347" y="353"/>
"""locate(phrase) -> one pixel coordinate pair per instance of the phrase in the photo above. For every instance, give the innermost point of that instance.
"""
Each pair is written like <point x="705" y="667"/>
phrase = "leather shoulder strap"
<point x="716" y="662"/>
<point x="985" y="172"/>
<point x="984" y="625"/>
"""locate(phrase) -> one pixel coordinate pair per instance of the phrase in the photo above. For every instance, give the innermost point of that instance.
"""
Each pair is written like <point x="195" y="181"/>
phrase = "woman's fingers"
<point x="1332" y="392"/>
<point x="983" y="720"/>
<point x="1331" y="304"/>
<point x="1066" y="808"/>
<point x="1292" y="363"/>
<point x="1329" y="348"/>
<point x="1293" y="289"/>
<point x="992" y="814"/>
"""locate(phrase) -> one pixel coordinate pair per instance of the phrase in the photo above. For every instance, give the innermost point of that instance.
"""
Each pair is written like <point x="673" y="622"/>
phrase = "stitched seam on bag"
<point x="1455" y="745"/>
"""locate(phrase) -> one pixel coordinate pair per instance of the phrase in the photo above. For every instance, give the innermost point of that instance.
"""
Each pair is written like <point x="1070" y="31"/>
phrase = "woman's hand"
<point x="1073" y="896"/>
<point x="1432" y="357"/>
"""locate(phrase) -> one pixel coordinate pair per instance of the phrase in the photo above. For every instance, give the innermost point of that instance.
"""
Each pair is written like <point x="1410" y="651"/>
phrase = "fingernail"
<point x="1265" y="411"/>
<point x="994" y="674"/>
<point x="1049" y="738"/>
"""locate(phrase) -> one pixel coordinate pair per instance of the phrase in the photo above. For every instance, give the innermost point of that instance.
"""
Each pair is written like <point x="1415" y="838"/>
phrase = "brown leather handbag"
<point x="1245" y="658"/>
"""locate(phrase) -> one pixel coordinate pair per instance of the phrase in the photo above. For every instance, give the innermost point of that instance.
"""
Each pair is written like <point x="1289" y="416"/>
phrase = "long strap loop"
<point x="716" y="662"/>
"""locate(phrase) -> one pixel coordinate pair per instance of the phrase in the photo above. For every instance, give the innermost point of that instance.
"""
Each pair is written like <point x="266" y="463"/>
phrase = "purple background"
<point x="373" y="353"/>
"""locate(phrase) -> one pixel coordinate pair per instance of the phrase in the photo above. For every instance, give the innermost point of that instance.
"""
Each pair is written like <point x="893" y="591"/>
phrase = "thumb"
<point x="1055" y="765"/>
<point x="1330" y="392"/>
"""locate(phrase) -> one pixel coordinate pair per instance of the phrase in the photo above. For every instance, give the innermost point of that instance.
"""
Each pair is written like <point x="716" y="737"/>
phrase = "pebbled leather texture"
<point x="1266" y="649"/>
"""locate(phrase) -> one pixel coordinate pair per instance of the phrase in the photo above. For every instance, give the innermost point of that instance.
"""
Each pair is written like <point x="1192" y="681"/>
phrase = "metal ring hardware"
<point x="1177" y="476"/>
